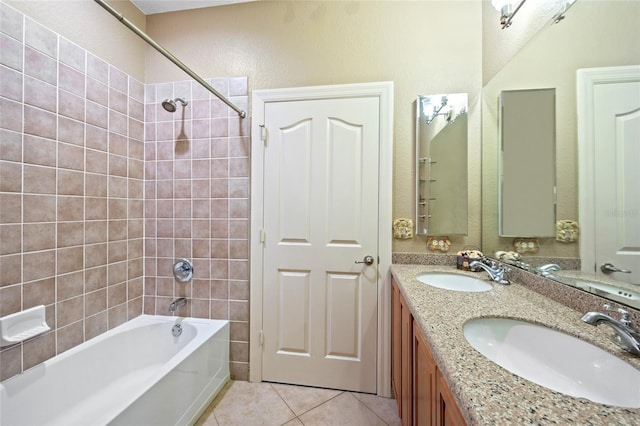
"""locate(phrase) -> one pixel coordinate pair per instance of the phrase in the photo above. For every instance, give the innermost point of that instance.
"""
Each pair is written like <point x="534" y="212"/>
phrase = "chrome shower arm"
<point x="169" y="56"/>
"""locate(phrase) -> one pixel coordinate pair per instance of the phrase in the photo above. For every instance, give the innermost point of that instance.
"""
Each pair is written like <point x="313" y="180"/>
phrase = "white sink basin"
<point x="452" y="281"/>
<point x="556" y="360"/>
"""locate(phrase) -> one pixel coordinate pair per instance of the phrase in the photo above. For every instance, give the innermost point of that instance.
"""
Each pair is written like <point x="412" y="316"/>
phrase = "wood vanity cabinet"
<point x="424" y="399"/>
<point x="402" y="355"/>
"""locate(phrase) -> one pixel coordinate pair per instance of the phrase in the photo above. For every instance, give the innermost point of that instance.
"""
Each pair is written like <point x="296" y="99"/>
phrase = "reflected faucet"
<point x="626" y="336"/>
<point x="176" y="304"/>
<point x="496" y="271"/>
<point x="545" y="270"/>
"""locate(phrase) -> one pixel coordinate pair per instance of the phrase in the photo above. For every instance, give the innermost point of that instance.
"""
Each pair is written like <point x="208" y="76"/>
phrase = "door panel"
<point x="293" y="323"/>
<point x="617" y="193"/>
<point x="320" y="216"/>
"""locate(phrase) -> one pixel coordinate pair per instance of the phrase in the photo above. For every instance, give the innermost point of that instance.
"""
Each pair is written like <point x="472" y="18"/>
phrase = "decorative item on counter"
<point x="526" y="245"/>
<point x="465" y="257"/>
<point x="402" y="228"/>
<point x="507" y="256"/>
<point x="567" y="231"/>
<point x="438" y="243"/>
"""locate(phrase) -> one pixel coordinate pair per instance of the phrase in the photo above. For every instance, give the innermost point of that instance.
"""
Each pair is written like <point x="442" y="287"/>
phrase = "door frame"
<point x="587" y="80"/>
<point x="384" y="92"/>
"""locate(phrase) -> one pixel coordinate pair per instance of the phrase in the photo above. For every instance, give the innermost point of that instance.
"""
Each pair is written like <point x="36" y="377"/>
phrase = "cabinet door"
<point x="396" y="343"/>
<point x="406" y="363"/>
<point x="447" y="412"/>
<point x="424" y="381"/>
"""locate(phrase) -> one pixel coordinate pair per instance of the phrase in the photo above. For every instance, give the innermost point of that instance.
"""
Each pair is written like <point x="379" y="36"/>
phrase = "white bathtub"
<point x="135" y="374"/>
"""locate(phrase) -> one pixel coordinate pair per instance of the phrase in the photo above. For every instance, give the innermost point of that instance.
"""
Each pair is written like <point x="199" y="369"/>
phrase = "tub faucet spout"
<point x="176" y="304"/>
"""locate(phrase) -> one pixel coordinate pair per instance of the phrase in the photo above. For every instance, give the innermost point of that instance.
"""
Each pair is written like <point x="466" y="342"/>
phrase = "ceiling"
<point x="150" y="7"/>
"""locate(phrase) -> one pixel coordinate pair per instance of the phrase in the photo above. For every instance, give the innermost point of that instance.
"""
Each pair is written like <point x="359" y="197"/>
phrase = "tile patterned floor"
<point x="272" y="404"/>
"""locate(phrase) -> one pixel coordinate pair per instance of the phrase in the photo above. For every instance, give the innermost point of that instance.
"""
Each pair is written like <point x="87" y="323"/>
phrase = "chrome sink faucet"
<point x="496" y="271"/>
<point x="626" y="336"/>
<point x="176" y="304"/>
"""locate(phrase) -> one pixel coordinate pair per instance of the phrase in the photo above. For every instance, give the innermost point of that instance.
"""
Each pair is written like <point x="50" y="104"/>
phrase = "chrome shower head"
<point x="170" y="105"/>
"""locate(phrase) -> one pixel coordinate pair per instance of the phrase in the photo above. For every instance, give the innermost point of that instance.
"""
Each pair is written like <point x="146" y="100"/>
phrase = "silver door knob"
<point x="368" y="260"/>
<point x="608" y="268"/>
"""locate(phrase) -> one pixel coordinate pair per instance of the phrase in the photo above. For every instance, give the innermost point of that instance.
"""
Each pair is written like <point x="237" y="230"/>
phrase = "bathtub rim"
<point x="203" y="334"/>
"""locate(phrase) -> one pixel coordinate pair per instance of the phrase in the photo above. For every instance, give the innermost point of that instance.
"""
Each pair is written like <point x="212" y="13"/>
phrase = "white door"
<point x="616" y="178"/>
<point x="321" y="216"/>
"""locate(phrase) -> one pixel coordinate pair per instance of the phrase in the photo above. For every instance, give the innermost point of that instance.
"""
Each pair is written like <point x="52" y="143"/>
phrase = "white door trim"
<point x="384" y="91"/>
<point x="587" y="80"/>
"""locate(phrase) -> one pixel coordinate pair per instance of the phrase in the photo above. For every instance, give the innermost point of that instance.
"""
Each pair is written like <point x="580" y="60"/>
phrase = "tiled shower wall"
<point x="197" y="206"/>
<point x="72" y="196"/>
<point x="71" y="189"/>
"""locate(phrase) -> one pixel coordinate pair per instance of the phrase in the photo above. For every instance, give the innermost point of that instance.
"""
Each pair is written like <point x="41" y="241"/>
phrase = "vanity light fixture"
<point x="507" y="10"/>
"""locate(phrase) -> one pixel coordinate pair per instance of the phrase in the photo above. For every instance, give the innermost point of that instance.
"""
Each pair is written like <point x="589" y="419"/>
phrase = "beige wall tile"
<point x="39" y="122"/>
<point x="70" y="311"/>
<point x="38" y="265"/>
<point x="42" y="292"/>
<point x="11" y="297"/>
<point x="11" y="266"/>
<point x="70" y="183"/>
<point x="10" y="239"/>
<point x="39" y="236"/>
<point x="70" y="234"/>
<point x="39" y="180"/>
<point x="70" y="285"/>
<point x="95" y="278"/>
<point x="40" y="151"/>
<point x="70" y="157"/>
<point x="39" y="349"/>
<point x="69" y="336"/>
<point x="70" y="208"/>
<point x="10" y="362"/>
<point x="70" y="259"/>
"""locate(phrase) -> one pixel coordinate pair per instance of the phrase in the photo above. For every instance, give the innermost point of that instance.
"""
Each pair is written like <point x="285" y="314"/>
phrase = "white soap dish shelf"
<point x="20" y="326"/>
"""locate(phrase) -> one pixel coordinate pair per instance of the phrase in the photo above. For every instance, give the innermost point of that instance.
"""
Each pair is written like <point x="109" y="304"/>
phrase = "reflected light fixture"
<point x="560" y="15"/>
<point x="507" y="10"/>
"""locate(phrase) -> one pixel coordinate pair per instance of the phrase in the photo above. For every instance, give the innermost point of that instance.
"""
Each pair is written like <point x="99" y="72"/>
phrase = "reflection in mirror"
<point x="551" y="59"/>
<point x="441" y="164"/>
<point x="527" y="163"/>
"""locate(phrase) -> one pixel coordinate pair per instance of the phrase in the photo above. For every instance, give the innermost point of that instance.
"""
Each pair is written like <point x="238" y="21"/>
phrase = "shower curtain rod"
<point x="168" y="55"/>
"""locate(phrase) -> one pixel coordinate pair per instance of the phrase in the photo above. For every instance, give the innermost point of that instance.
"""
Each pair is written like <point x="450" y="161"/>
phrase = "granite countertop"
<point x="487" y="393"/>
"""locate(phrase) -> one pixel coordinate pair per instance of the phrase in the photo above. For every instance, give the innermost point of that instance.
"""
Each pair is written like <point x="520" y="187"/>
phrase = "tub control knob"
<point x="183" y="270"/>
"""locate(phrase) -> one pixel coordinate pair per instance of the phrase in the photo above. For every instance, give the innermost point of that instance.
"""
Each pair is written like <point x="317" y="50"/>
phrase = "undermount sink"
<point x="556" y="360"/>
<point x="456" y="282"/>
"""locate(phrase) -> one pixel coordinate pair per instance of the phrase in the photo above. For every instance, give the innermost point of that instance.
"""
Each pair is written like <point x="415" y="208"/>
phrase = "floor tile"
<point x="385" y="408"/>
<point x="302" y="399"/>
<point x="253" y="404"/>
<point x="345" y="409"/>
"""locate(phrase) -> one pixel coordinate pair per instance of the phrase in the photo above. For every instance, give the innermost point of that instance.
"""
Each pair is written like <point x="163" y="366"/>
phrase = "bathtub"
<point x="135" y="374"/>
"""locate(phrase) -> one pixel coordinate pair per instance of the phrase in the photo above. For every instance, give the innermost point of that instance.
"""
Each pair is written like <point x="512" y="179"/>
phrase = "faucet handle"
<point x="624" y="317"/>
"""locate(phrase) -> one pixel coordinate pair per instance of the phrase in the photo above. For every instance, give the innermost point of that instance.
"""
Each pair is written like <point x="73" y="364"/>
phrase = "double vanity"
<point x="468" y="350"/>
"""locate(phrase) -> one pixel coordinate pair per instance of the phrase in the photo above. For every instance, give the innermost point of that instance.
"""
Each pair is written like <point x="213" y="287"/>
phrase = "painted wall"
<point x="423" y="47"/>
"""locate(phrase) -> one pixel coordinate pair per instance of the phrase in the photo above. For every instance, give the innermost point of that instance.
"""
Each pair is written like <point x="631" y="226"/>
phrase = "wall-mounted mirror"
<point x="526" y="163"/>
<point x="551" y="59"/>
<point x="441" y="164"/>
